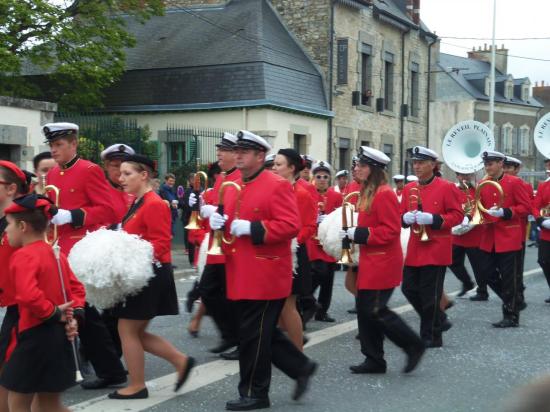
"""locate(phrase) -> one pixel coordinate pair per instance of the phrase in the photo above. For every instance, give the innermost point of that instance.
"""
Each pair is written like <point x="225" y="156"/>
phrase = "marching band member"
<point x="305" y="175"/>
<point x="541" y="212"/>
<point x="159" y="297"/>
<point x="84" y="205"/>
<point x="436" y="210"/>
<point x="42" y="163"/>
<point x="42" y="362"/>
<point x="287" y="165"/>
<point x="263" y="218"/>
<point x="212" y="286"/>
<point x="380" y="267"/>
<point x="323" y="265"/>
<point x="269" y="161"/>
<point x="342" y="180"/>
<point x="512" y="167"/>
<point x="399" y="181"/>
<point x="468" y="243"/>
<point x="502" y="238"/>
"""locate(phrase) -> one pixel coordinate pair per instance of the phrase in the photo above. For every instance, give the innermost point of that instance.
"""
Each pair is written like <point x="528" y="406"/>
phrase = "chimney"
<point x="543" y="83"/>
<point x="501" y="58"/>
<point x="410" y="8"/>
<point x="416" y="12"/>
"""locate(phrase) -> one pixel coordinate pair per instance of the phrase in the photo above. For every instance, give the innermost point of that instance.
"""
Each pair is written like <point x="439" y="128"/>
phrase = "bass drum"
<point x="542" y="136"/>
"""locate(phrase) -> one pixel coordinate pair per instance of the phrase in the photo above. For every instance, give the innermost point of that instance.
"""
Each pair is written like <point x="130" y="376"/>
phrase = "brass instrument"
<point x="347" y="245"/>
<point x="477" y="218"/>
<point x="320" y="211"/>
<point x="414" y="197"/>
<point x="469" y="206"/>
<point x="218" y="238"/>
<point x="56" y="192"/>
<point x="195" y="217"/>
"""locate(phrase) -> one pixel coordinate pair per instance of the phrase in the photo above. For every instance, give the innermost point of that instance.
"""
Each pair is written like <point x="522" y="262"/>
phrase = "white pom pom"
<point x="112" y="265"/>
<point x="203" y="250"/>
<point x="405" y="234"/>
<point x="329" y="235"/>
<point x="293" y="250"/>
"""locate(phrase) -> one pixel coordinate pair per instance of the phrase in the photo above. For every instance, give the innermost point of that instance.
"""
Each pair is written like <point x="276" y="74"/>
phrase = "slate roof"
<point x="238" y="55"/>
<point x="470" y="74"/>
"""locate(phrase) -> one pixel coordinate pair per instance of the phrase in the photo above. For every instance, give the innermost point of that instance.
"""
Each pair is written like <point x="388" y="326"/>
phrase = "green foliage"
<point x="68" y="50"/>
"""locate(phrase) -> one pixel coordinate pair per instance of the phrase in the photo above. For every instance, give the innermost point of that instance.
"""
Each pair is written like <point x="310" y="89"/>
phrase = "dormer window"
<point x="509" y="89"/>
<point x="487" y="86"/>
<point x="525" y="92"/>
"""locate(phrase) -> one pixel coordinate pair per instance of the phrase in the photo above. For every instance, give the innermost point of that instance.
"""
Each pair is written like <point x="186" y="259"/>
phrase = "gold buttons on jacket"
<point x="61" y="173"/>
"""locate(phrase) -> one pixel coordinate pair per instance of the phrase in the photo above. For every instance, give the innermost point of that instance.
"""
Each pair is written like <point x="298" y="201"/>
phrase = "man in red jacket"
<point x="259" y="273"/>
<point x="84" y="205"/>
<point x="501" y="241"/>
<point x="541" y="212"/>
<point x="430" y="205"/>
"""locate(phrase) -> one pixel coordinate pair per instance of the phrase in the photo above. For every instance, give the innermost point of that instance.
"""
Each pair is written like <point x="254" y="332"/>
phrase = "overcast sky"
<point x="515" y="18"/>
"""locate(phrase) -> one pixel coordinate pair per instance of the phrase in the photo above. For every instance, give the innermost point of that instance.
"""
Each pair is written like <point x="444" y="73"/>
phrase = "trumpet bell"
<point x="346" y="258"/>
<point x="216" y="248"/>
<point x="193" y="221"/>
<point x="477" y="218"/>
<point x="424" y="235"/>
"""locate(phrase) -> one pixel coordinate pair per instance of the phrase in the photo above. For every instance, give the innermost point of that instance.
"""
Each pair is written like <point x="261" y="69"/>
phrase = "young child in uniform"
<point x="42" y="362"/>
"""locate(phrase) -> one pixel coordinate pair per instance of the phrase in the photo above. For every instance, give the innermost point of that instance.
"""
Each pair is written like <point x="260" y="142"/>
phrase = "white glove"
<point x="217" y="221"/>
<point x="424" y="218"/>
<point x="496" y="212"/>
<point x="192" y="200"/>
<point x="349" y="233"/>
<point x="320" y="218"/>
<point x="409" y="218"/>
<point x="240" y="227"/>
<point x="465" y="221"/>
<point x="62" y="217"/>
<point x="546" y="223"/>
<point x="207" y="210"/>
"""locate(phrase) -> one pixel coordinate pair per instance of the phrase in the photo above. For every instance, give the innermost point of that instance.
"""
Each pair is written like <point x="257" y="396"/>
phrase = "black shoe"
<point x="433" y="343"/>
<point x="232" y="355"/>
<point x="101" y="383"/>
<point x="446" y="325"/>
<point x="308" y="313"/>
<point x="302" y="381"/>
<point x="224" y="346"/>
<point x="413" y="358"/>
<point x="450" y="304"/>
<point x="185" y="373"/>
<point x="324" y="317"/>
<point x="479" y="297"/>
<point x="522" y="306"/>
<point x="367" y="367"/>
<point x="465" y="289"/>
<point x="547" y="300"/>
<point x="305" y="339"/>
<point x="352" y="311"/>
<point x="244" y="403"/>
<point x="142" y="394"/>
<point x="506" y="323"/>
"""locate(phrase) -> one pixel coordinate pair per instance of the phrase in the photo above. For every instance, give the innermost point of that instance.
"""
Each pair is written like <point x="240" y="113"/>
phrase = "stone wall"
<point x="190" y="3"/>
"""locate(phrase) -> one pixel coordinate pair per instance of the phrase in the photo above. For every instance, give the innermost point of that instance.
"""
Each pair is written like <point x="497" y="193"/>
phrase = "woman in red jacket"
<point x="288" y="165"/>
<point x="150" y="218"/>
<point x="380" y="267"/>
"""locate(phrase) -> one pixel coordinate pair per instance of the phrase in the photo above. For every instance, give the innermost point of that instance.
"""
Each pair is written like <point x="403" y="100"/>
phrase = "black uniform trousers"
<point x="212" y="289"/>
<point x="460" y="271"/>
<point x="504" y="281"/>
<point x="376" y="320"/>
<point x="98" y="346"/>
<point x="544" y="258"/>
<point x="323" y="277"/>
<point x="423" y="287"/>
<point x="521" y="265"/>
<point x="262" y="343"/>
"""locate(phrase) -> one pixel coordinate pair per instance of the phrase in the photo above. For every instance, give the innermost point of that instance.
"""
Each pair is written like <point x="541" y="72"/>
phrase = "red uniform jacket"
<point x="34" y="273"/>
<point x="505" y="234"/>
<point x="353" y="186"/>
<point x="308" y="215"/>
<point x="542" y="200"/>
<point x="120" y="201"/>
<point x="472" y="238"/>
<point x="381" y="258"/>
<point x="7" y="290"/>
<point x="440" y="198"/>
<point x="152" y="220"/>
<point x="308" y="186"/>
<point x="524" y="221"/>
<point x="212" y="199"/>
<point x="85" y="192"/>
<point x="260" y="266"/>
<point x="327" y="202"/>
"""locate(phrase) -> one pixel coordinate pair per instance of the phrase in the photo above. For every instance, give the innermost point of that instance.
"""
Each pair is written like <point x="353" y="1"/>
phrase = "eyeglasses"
<point x="2" y="182"/>
<point x="319" y="177"/>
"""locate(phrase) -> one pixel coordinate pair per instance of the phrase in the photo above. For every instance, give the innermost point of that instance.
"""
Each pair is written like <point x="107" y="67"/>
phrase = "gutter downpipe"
<point x="401" y="114"/>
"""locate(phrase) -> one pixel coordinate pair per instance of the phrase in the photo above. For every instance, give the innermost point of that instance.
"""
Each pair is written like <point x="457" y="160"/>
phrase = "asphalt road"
<point x="475" y="370"/>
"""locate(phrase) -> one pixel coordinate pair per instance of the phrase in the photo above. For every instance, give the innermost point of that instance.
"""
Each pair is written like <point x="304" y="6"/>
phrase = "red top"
<point x="308" y="186"/>
<point x="7" y="291"/>
<point x="501" y="234"/>
<point x="259" y="266"/>
<point x="308" y="216"/>
<point x="473" y="237"/>
<point x="542" y="199"/>
<point x="120" y="201"/>
<point x="152" y="221"/>
<point x="381" y="258"/>
<point x="35" y="276"/>
<point x="82" y="186"/>
<point x="439" y="197"/>
<point x="327" y="203"/>
<point x="351" y="187"/>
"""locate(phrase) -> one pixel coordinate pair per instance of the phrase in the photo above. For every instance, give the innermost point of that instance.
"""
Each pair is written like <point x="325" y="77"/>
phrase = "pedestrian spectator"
<point x="185" y="215"/>
<point x="167" y="193"/>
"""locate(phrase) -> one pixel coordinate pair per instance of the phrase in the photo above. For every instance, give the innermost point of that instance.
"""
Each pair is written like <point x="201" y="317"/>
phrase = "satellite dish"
<point x="542" y="136"/>
<point x="464" y="144"/>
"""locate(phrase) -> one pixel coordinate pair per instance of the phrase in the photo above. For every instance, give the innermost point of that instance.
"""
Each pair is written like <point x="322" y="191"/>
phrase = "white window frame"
<point x="507" y="137"/>
<point x="487" y="86"/>
<point x="524" y="140"/>
<point x="509" y="90"/>
<point x="524" y="92"/>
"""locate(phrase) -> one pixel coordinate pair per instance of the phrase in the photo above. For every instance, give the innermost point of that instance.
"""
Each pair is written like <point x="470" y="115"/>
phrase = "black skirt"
<point x="158" y="298"/>
<point x="301" y="281"/>
<point x="8" y="324"/>
<point x="42" y="361"/>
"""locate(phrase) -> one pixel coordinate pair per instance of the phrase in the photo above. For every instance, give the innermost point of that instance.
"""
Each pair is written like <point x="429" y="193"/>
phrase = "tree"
<point x="66" y="53"/>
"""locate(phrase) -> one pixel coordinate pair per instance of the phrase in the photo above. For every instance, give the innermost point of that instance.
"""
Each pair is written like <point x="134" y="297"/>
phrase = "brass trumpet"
<point x="56" y="192"/>
<point x="477" y="218"/>
<point x="469" y="206"/>
<point x="195" y="217"/>
<point x="218" y="238"/>
<point x="414" y="197"/>
<point x="347" y="245"/>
